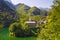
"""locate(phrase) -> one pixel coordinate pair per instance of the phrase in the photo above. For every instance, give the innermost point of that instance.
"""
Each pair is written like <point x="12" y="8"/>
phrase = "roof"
<point x="30" y="22"/>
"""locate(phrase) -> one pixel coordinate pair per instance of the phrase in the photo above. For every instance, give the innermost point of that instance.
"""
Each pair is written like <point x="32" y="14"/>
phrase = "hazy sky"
<point x="37" y="3"/>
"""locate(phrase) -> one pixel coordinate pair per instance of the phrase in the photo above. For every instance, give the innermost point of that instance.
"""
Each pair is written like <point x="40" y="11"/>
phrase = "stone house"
<point x="31" y="23"/>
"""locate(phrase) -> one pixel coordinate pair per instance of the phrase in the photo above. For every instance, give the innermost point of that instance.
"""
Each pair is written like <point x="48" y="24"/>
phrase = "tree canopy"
<point x="52" y="28"/>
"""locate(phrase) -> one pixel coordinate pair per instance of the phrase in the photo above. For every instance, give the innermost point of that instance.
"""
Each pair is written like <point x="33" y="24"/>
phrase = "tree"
<point x="34" y="11"/>
<point x="52" y="28"/>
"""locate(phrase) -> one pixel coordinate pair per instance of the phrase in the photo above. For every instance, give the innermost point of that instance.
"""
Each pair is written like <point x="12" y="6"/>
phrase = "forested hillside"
<point x="7" y="13"/>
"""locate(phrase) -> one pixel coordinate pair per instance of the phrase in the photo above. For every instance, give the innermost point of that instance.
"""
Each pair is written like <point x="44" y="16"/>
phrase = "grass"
<point x="4" y="35"/>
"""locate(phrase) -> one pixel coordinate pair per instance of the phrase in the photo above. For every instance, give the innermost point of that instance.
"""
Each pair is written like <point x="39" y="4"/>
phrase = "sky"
<point x="37" y="3"/>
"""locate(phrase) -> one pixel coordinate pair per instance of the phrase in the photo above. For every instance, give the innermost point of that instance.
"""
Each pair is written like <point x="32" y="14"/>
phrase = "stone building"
<point x="31" y="23"/>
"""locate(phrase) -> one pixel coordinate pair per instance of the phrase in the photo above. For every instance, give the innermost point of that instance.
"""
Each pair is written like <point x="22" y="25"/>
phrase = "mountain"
<point x="44" y="11"/>
<point x="7" y="13"/>
<point x="4" y="6"/>
<point x="32" y="10"/>
<point x="10" y="5"/>
<point x="21" y="7"/>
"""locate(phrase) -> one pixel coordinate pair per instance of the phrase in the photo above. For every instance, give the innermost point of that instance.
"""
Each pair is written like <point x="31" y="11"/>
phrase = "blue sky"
<point x="37" y="3"/>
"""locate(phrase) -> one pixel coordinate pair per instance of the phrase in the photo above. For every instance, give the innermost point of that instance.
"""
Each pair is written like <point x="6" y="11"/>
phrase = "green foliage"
<point x="21" y="10"/>
<point x="32" y="10"/>
<point x="12" y="26"/>
<point x="1" y="26"/>
<point x="21" y="30"/>
<point x="52" y="28"/>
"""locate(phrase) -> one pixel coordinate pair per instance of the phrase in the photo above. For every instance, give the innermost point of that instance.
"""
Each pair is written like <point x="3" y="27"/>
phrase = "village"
<point x="32" y="24"/>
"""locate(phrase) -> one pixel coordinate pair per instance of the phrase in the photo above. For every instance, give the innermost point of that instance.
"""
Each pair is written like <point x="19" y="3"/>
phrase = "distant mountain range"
<point x="37" y="11"/>
<point x="7" y="6"/>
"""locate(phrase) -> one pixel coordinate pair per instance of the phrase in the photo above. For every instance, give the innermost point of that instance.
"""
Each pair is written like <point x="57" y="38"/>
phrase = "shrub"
<point x="17" y="30"/>
<point x="1" y="26"/>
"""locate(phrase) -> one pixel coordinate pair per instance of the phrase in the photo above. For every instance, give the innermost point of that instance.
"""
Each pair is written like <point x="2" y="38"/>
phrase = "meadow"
<point x="4" y="35"/>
